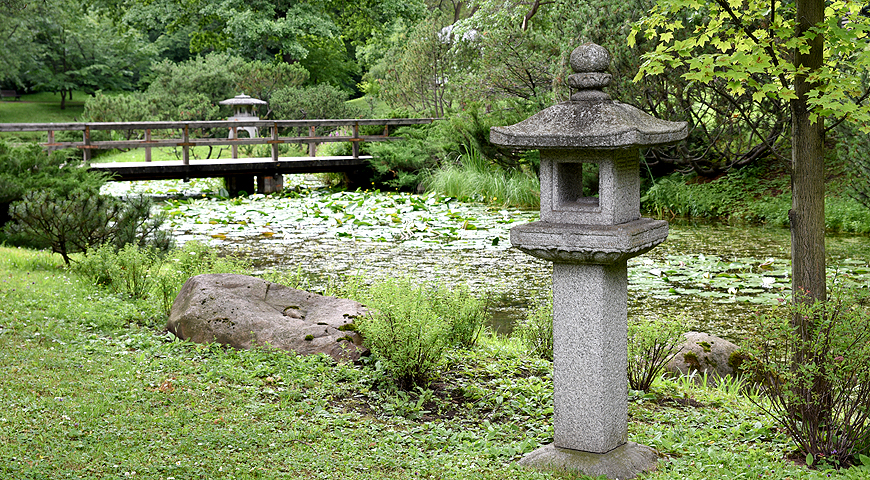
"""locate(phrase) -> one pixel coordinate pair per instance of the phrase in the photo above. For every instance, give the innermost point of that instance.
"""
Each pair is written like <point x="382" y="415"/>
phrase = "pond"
<point x="717" y="277"/>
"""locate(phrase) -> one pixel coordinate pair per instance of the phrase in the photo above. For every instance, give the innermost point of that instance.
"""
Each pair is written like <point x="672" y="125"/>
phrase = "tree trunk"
<point x="807" y="214"/>
<point x="807" y="219"/>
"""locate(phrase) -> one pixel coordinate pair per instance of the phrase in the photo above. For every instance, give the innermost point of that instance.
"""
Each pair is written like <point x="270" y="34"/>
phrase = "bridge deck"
<point x="122" y="171"/>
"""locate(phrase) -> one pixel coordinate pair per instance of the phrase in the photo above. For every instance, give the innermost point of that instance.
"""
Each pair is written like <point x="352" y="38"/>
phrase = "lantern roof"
<point x="242" y="100"/>
<point x="590" y="119"/>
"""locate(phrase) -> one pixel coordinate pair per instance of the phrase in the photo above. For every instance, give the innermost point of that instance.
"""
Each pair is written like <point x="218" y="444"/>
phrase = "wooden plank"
<point x="124" y="171"/>
<point x="204" y="142"/>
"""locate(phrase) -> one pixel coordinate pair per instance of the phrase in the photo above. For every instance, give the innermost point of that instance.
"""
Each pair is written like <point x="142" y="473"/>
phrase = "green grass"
<point x="474" y="179"/>
<point x="86" y="391"/>
<point x="41" y="107"/>
<point x="380" y="110"/>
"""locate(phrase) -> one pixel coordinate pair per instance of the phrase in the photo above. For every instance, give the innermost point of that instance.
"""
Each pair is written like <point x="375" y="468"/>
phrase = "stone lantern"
<point x="243" y="110"/>
<point x="589" y="240"/>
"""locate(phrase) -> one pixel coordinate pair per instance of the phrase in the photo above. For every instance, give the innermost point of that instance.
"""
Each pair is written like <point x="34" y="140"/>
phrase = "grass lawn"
<point x="39" y="108"/>
<point x="92" y="387"/>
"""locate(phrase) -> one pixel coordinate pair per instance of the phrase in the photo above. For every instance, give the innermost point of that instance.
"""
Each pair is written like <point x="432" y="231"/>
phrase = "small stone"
<point x="590" y="57"/>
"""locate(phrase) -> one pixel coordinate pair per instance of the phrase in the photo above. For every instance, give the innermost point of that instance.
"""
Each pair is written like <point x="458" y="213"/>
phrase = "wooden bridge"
<point x="239" y="173"/>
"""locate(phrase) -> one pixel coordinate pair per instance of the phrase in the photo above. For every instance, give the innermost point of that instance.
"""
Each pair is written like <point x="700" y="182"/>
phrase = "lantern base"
<point x="623" y="462"/>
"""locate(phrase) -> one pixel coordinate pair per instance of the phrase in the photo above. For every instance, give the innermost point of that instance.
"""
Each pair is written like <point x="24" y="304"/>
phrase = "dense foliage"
<point x="84" y="220"/>
<point x="817" y="382"/>
<point x="409" y="327"/>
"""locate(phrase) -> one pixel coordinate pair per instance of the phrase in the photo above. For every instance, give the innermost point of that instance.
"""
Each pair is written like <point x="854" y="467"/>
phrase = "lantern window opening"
<point x="578" y="186"/>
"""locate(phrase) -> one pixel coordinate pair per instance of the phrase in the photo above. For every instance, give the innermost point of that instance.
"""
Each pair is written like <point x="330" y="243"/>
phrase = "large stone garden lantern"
<point x="589" y="240"/>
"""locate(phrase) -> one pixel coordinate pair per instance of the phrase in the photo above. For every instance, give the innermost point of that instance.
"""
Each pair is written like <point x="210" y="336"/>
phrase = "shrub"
<point x="320" y="101"/>
<point x="403" y="331"/>
<point x="143" y="272"/>
<point x="465" y="314"/>
<point x="476" y="180"/>
<point x="536" y="332"/>
<point x="29" y="168"/>
<point x="408" y="326"/>
<point x="81" y="220"/>
<point x="651" y="345"/>
<point x="817" y="382"/>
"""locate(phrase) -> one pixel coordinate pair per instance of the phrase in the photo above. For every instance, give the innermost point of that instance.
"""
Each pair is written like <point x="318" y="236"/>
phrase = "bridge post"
<point x="87" y="146"/>
<point x="270" y="183"/>
<point x="147" y="149"/>
<point x="312" y="149"/>
<point x="355" y="141"/>
<point x="275" y="142"/>
<point x="185" y="148"/>
<point x="235" y="184"/>
<point x="234" y="133"/>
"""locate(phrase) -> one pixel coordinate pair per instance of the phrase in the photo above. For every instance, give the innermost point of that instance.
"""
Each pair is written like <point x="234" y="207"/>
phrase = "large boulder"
<point x="246" y="312"/>
<point x="704" y="353"/>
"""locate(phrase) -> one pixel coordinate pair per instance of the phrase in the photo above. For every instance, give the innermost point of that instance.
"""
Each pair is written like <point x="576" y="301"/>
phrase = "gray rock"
<point x="704" y="353"/>
<point x="246" y="312"/>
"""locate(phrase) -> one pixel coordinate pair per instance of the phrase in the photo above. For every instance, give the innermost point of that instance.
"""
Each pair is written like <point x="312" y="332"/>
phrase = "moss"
<point x="309" y="337"/>
<point x="348" y="327"/>
<point x="692" y="361"/>
<point x="736" y="359"/>
<point x="706" y="346"/>
<point x="346" y="338"/>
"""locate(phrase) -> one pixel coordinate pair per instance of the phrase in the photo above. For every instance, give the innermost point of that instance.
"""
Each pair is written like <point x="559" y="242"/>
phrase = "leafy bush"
<point x="651" y="345"/>
<point x="143" y="272"/>
<point x="128" y="107"/>
<point x="319" y="101"/>
<point x="403" y="331"/>
<point x="81" y="220"/>
<point x="409" y="327"/>
<point x="536" y="332"/>
<point x="465" y="314"/>
<point x="817" y="381"/>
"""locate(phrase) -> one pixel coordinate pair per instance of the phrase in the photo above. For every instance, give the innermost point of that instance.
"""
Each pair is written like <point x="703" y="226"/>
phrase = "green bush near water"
<point x="747" y="196"/>
<point x="816" y="382"/>
<point x="143" y="273"/>
<point x="408" y="327"/>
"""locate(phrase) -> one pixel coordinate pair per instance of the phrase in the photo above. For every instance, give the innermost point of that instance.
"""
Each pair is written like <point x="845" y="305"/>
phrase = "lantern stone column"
<point x="589" y="239"/>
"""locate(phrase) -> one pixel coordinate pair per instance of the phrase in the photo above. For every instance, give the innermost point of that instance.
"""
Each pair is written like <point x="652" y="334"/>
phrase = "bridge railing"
<point x="188" y="130"/>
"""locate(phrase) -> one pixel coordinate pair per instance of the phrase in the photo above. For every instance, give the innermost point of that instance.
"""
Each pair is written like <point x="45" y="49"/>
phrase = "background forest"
<point x="473" y="63"/>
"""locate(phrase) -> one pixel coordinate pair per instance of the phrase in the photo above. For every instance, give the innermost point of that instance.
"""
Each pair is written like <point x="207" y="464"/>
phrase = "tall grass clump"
<point x="536" y="331"/>
<point x="652" y="343"/>
<point x="816" y="382"/>
<point x="146" y="273"/>
<point x="473" y="178"/>
<point x="408" y="327"/>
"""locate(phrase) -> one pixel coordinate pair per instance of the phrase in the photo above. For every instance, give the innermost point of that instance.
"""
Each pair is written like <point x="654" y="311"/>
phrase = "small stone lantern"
<point x="243" y="110"/>
<point x="589" y="240"/>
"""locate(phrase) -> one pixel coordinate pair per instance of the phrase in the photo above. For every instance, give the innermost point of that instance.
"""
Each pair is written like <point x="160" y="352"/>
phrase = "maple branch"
<point x="769" y="49"/>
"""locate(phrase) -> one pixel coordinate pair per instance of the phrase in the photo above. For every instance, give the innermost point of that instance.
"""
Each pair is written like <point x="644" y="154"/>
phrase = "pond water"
<point x="715" y="276"/>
